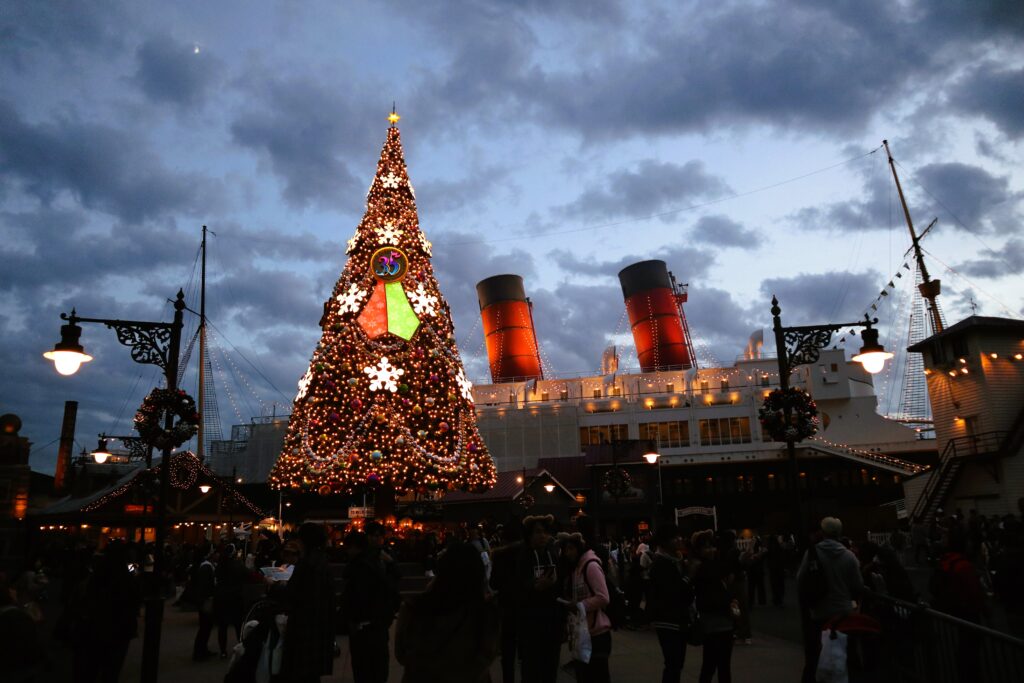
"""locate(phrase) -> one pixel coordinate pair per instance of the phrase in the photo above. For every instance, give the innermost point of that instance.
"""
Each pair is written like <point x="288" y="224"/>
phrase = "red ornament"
<point x="356" y="404"/>
<point x="443" y="427"/>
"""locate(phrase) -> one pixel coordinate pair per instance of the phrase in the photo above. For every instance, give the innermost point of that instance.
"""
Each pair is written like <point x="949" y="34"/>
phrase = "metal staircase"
<point x="957" y="452"/>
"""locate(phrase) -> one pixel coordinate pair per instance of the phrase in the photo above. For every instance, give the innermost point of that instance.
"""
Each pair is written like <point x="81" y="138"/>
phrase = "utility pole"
<point x="202" y="354"/>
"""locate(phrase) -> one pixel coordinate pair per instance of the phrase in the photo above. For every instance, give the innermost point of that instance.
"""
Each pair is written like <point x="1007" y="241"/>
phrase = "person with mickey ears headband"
<point x="585" y="585"/>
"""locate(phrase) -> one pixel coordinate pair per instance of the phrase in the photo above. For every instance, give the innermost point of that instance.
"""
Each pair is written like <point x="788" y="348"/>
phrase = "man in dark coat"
<point x="670" y="599"/>
<point x="202" y="588"/>
<point x="309" y="636"/>
<point x="369" y="601"/>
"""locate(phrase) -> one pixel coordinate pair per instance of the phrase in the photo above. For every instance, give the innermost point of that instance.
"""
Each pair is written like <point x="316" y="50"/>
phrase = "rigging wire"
<point x="266" y="379"/>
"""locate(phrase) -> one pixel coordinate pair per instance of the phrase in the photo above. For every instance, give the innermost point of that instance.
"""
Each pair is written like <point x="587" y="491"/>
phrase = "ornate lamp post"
<point x="137" y="449"/>
<point x="802" y="346"/>
<point x="154" y="343"/>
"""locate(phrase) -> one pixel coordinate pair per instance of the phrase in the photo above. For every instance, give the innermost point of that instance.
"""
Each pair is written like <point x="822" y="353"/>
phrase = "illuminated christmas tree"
<point x="385" y="401"/>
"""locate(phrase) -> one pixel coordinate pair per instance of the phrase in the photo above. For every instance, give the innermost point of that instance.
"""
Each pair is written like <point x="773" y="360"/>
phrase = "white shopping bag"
<point x="579" y="634"/>
<point x="832" y="661"/>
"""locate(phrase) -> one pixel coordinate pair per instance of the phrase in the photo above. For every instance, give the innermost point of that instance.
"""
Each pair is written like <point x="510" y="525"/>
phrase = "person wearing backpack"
<point x="671" y="601"/>
<point x="586" y="586"/>
<point x="828" y="583"/>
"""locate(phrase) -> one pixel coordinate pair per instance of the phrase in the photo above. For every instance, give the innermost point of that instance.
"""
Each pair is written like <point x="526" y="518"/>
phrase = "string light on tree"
<point x="385" y="401"/>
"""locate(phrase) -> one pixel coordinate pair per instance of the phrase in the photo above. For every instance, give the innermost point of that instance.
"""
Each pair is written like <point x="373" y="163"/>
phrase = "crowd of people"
<point x="529" y="593"/>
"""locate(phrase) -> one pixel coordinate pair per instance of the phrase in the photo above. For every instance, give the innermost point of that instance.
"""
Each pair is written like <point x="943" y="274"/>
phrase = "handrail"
<point x="949" y="453"/>
<point x="925" y="608"/>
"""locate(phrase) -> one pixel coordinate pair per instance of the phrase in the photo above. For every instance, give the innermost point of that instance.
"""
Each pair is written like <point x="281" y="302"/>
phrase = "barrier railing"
<point x="922" y="645"/>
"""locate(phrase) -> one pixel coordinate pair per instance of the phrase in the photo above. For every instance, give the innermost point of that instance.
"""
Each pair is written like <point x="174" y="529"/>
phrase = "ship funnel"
<point x="654" y="303"/>
<point x="508" y="329"/>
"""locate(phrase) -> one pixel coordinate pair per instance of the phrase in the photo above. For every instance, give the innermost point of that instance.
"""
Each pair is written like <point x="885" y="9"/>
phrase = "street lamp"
<point x="204" y="488"/>
<point x="67" y="354"/>
<point x="101" y="454"/>
<point x="802" y="345"/>
<point x="550" y="488"/>
<point x="154" y="343"/>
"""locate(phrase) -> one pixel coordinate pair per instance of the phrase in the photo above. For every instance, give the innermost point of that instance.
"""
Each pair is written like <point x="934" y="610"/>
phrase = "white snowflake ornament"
<point x="304" y="385"/>
<point x="352" y="242"/>
<point x="383" y="376"/>
<point x="423" y="302"/>
<point x="465" y="386"/>
<point x="425" y="243"/>
<point x="351" y="299"/>
<point x="388" y="234"/>
<point x="390" y="180"/>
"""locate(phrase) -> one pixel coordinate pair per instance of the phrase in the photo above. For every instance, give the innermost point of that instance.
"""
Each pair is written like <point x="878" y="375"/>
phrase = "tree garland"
<point x="803" y="421"/>
<point x="617" y="482"/>
<point x="150" y="416"/>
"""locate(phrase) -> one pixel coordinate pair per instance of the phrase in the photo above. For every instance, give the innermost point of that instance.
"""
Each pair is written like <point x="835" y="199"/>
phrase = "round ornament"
<point x="324" y="490"/>
<point x="417" y="410"/>
<point x="376" y="455"/>
<point x="389" y="264"/>
<point x="803" y="415"/>
<point x="150" y="416"/>
<point x="443" y="427"/>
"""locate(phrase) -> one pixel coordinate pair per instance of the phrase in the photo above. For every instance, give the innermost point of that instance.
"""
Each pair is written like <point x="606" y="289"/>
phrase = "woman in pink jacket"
<point x="586" y="585"/>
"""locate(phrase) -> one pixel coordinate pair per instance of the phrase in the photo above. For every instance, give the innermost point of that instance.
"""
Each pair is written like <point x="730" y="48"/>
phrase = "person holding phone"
<point x="540" y="618"/>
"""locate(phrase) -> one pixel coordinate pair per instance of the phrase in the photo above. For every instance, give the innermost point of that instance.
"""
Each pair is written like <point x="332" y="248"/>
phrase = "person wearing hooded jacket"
<point x="586" y="586"/>
<point x="845" y="585"/>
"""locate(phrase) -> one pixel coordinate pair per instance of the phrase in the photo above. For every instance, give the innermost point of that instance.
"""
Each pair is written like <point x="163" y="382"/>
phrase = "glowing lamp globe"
<point x="651" y="454"/>
<point x="67" y="354"/>
<point x="872" y="355"/>
<point x="651" y="458"/>
<point x="101" y="454"/>
<point x="549" y="487"/>
<point x="204" y="488"/>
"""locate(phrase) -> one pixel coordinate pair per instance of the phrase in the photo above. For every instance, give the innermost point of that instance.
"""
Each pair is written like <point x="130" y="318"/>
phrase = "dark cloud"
<point x="170" y="72"/>
<point x="103" y="167"/>
<point x="305" y="129"/>
<point x="993" y="93"/>
<point x="651" y="186"/>
<point x="575" y="323"/>
<point x="722" y="231"/>
<point x="969" y="193"/>
<point x="444" y="196"/>
<point x="685" y="261"/>
<point x="66" y="28"/>
<point x="719" y="323"/>
<point x="995" y="263"/>
<point x="815" y="298"/>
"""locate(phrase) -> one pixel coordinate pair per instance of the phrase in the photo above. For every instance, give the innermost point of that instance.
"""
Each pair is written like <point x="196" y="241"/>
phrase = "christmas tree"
<point x="385" y="401"/>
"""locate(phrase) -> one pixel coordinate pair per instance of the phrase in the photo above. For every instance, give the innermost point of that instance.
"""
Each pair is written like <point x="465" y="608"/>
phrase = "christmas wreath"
<point x="803" y="422"/>
<point x="617" y="482"/>
<point x="150" y="416"/>
<point x="526" y="501"/>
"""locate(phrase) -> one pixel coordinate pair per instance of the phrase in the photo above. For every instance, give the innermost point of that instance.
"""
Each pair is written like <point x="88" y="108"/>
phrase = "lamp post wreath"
<point x="617" y="482"/>
<point x="149" y="418"/>
<point x="803" y="421"/>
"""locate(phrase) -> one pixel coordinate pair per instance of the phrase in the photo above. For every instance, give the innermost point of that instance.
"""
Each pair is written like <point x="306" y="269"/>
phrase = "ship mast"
<point x="928" y="287"/>
<point x="202" y="353"/>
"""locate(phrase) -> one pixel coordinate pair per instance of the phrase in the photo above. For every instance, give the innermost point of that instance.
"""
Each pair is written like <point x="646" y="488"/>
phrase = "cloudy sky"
<point x="558" y="140"/>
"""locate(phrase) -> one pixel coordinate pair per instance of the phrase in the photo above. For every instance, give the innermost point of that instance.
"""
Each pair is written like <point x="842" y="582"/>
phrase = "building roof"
<point x="972" y="324"/>
<point x="187" y="471"/>
<point x="506" y="487"/>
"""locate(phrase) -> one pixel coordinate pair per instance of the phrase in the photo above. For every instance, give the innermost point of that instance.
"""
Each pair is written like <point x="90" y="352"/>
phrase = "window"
<point x="564" y="395"/>
<point x="835" y="367"/>
<point x="764" y="380"/>
<point x="616" y="390"/>
<point x="725" y="430"/>
<point x="598" y="434"/>
<point x="704" y="388"/>
<point x="544" y="396"/>
<point x="725" y="385"/>
<point x="670" y="388"/>
<point x="668" y="434"/>
<point x="597" y="393"/>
